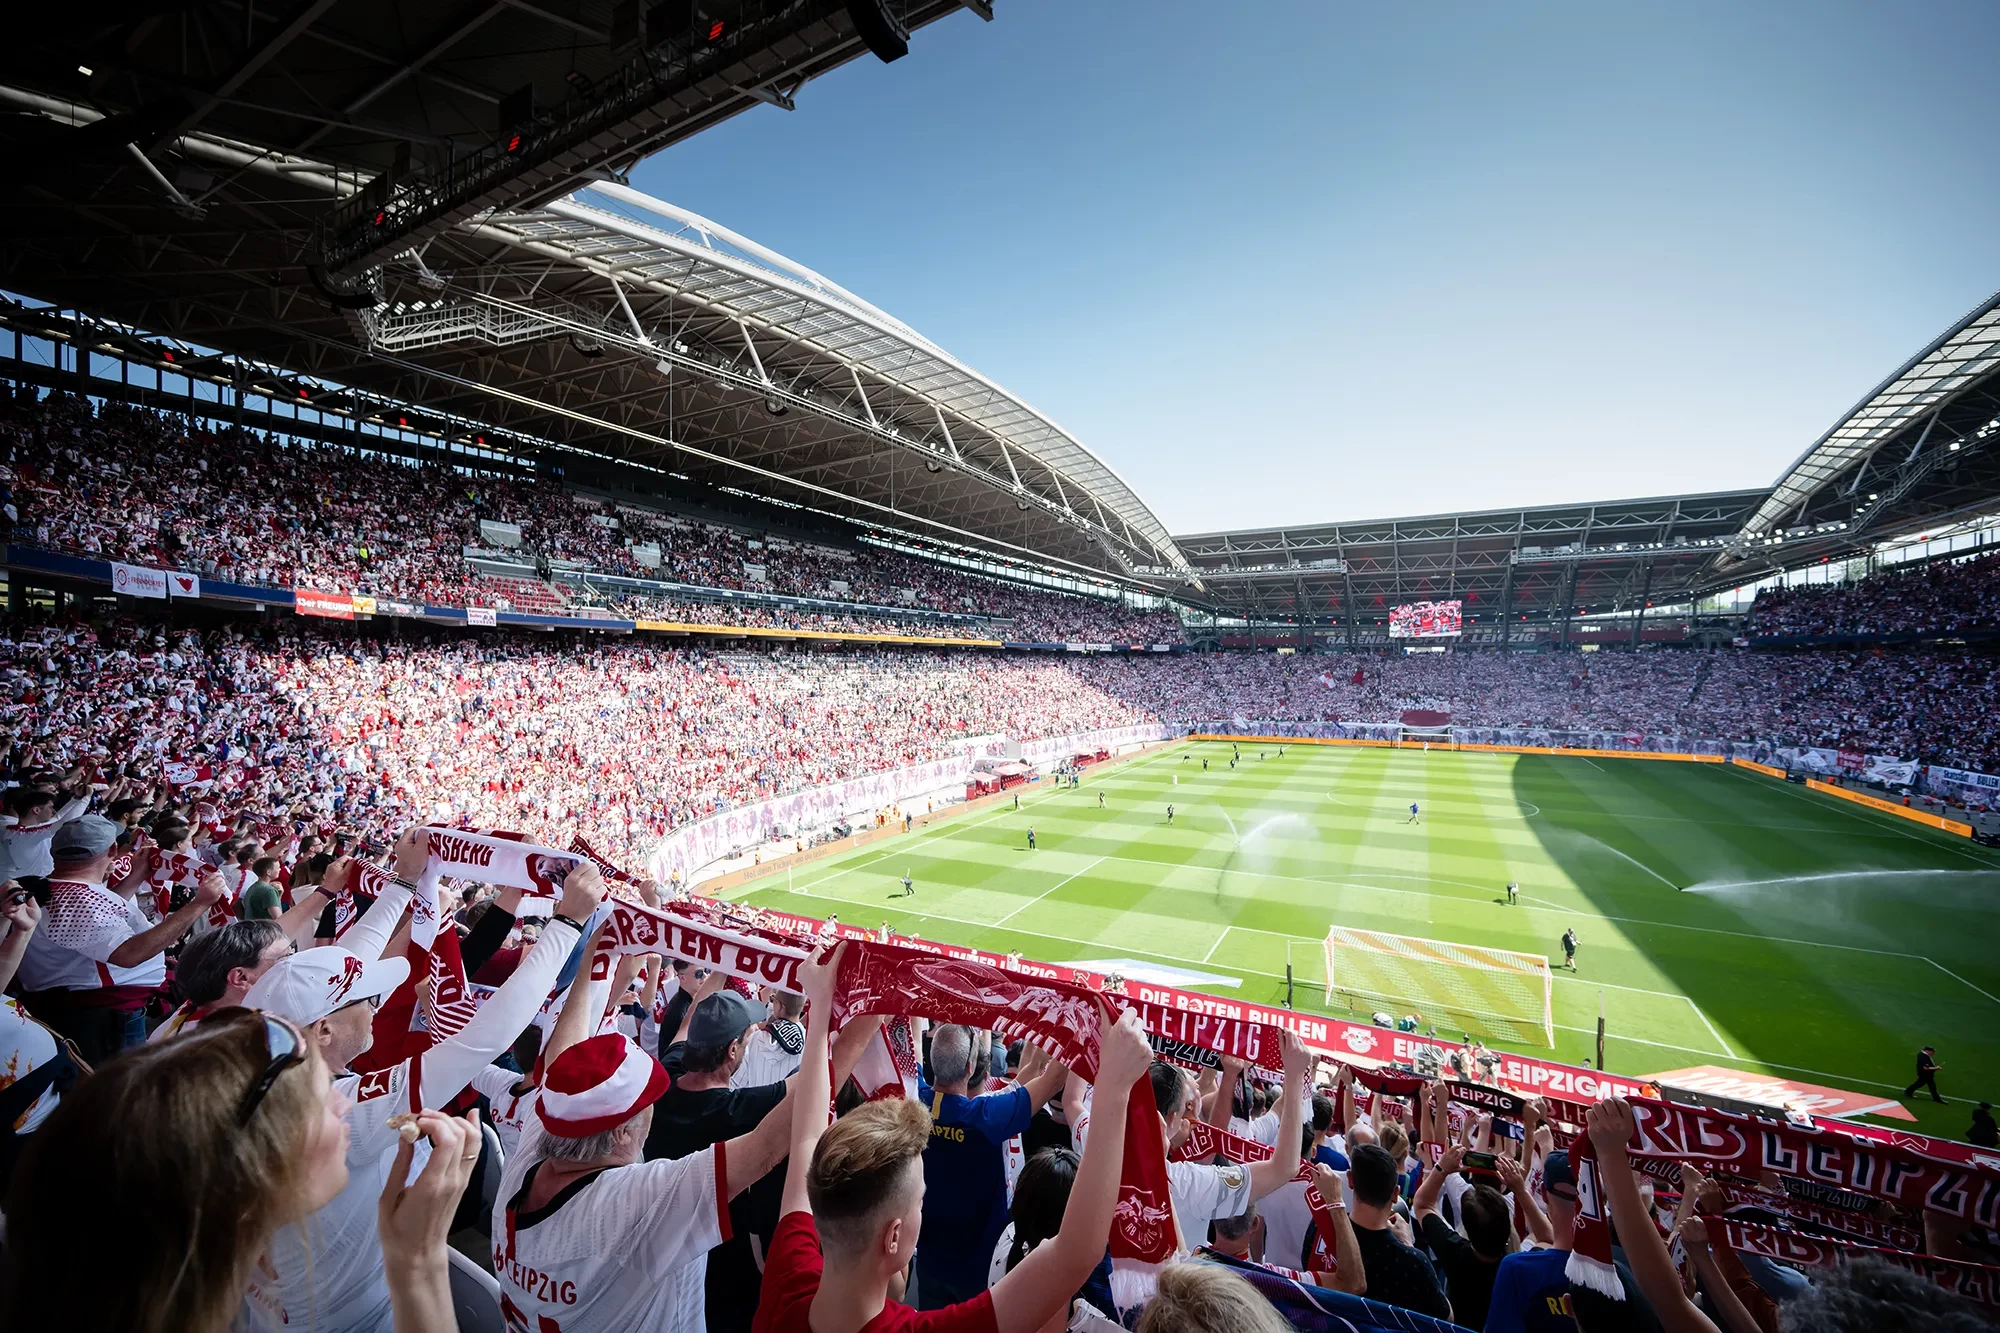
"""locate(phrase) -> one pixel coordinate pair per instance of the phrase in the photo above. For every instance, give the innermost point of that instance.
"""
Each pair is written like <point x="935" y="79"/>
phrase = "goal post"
<point x="1492" y="992"/>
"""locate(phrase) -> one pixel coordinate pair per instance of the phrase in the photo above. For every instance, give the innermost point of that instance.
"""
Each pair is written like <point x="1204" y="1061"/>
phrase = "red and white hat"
<point x="598" y="1084"/>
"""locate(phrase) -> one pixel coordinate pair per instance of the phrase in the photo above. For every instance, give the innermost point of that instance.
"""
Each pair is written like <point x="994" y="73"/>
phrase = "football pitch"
<point x="1725" y="918"/>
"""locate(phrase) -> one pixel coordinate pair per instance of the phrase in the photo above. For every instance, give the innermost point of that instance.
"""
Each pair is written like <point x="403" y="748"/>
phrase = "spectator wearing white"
<point x="771" y="1049"/>
<point x="33" y="823"/>
<point x="1203" y="1191"/>
<point x="329" y="1267"/>
<point x="96" y="960"/>
<point x="586" y="1236"/>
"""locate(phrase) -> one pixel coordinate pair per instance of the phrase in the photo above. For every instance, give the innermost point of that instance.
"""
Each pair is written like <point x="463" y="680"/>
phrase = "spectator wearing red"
<point x="854" y="1220"/>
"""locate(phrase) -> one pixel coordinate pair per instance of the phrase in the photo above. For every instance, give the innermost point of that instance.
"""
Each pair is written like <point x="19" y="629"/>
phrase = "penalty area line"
<point x="1961" y="980"/>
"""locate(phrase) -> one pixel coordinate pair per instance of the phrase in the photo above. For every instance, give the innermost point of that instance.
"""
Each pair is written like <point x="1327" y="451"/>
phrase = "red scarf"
<point x="1744" y="1146"/>
<point x="1060" y="1017"/>
<point x="609" y="871"/>
<point x="1975" y="1282"/>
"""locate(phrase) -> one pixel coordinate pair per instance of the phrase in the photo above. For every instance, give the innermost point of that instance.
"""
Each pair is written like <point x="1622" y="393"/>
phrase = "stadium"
<point x="597" y="691"/>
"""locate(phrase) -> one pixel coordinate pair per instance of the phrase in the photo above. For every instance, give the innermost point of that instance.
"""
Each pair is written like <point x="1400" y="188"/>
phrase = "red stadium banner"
<point x="331" y="605"/>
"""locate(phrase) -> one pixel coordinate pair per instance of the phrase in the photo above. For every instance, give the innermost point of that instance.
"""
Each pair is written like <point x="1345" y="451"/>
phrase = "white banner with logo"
<point x="138" y="581"/>
<point x="183" y="584"/>
<point x="480" y="615"/>
<point x="1056" y="748"/>
<point x="688" y="849"/>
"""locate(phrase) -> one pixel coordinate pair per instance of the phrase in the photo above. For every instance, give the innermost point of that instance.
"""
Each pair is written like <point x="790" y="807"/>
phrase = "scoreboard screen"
<point x="1426" y="620"/>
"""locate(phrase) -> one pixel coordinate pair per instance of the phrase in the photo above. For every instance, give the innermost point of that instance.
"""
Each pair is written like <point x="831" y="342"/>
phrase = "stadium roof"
<point x="365" y="195"/>
<point x="1535" y="561"/>
<point x="1915" y="454"/>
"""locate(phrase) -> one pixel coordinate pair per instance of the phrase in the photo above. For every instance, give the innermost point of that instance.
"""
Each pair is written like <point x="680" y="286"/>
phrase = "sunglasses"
<point x="285" y="1047"/>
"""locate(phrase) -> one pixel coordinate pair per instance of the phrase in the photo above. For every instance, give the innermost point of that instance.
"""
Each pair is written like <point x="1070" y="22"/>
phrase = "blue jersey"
<point x="965" y="1171"/>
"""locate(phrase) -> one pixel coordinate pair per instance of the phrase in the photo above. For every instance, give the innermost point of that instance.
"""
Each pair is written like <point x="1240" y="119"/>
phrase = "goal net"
<point x="1490" y="992"/>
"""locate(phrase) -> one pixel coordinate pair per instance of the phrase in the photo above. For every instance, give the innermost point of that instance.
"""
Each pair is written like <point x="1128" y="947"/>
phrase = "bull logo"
<point x="339" y="986"/>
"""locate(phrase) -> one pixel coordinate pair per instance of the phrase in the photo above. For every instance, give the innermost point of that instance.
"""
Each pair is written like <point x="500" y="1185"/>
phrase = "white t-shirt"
<point x="83" y="926"/>
<point x="1287" y="1221"/>
<point x="1202" y="1192"/>
<point x="765" y="1059"/>
<point x="28" y="844"/>
<point x="329" y="1267"/>
<point x="623" y="1250"/>
<point x="509" y="1112"/>
<point x="25" y="1046"/>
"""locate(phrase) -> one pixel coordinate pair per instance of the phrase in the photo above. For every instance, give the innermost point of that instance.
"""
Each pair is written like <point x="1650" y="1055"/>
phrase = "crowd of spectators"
<point x="119" y="483"/>
<point x="621" y="740"/>
<point x="670" y="1165"/>
<point x="1943" y="597"/>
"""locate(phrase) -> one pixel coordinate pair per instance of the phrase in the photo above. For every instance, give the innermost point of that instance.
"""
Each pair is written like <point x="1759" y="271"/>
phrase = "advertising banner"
<point x="331" y="605"/>
<point x="138" y="581"/>
<point x="480" y="615"/>
<point x="694" y="846"/>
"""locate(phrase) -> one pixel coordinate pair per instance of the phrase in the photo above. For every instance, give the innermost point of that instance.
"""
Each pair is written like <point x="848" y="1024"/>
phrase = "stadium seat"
<point x="475" y="1296"/>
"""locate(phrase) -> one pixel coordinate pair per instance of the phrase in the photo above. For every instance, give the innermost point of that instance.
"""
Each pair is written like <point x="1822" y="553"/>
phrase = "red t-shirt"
<point x="791" y="1280"/>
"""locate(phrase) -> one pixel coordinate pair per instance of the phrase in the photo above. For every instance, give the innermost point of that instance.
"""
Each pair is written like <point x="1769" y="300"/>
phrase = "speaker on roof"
<point x="882" y="31"/>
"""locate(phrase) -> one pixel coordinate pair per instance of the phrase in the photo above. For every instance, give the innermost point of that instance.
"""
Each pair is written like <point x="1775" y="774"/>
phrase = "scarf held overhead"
<point x="1745" y="1146"/>
<point x="1975" y="1282"/>
<point x="1060" y="1017"/>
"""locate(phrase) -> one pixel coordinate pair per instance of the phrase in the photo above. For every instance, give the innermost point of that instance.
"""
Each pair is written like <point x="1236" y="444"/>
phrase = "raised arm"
<point x="1350" y="1273"/>
<point x="368" y="936"/>
<point x="450" y="1065"/>
<point x="485" y="938"/>
<point x="1432" y="1185"/>
<point x="1224" y="1100"/>
<point x="579" y="1011"/>
<point x="22" y="914"/>
<point x="1046" y="1081"/>
<point x="1611" y="1127"/>
<point x="1515" y="1177"/>
<point x="1039" y="1287"/>
<point x="1283" y="1164"/>
<point x="812" y="1092"/>
<point x="298" y="923"/>
<point x="153" y="940"/>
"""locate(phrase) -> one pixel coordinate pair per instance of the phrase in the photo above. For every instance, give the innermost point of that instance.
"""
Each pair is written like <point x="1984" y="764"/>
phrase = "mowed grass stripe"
<point x="1778" y="967"/>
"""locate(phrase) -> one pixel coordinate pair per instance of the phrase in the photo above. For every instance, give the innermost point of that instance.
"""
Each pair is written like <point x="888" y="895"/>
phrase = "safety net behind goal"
<point x="1489" y="992"/>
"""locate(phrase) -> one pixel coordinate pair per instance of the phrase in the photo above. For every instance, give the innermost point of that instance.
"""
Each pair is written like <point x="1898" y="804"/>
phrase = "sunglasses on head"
<point x="285" y="1047"/>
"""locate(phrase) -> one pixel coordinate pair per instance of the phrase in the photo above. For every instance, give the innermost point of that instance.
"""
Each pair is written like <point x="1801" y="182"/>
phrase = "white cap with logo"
<point x="308" y="986"/>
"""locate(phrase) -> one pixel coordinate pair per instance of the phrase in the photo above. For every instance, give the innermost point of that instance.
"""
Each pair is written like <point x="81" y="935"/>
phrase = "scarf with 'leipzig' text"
<point x="1975" y="1282"/>
<point x="1745" y="1146"/>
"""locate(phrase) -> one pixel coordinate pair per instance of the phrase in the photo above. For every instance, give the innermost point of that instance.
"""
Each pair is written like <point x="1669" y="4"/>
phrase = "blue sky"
<point x="1301" y="262"/>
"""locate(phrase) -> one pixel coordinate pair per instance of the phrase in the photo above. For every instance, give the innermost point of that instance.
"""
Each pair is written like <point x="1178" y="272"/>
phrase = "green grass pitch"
<point x="1815" y="938"/>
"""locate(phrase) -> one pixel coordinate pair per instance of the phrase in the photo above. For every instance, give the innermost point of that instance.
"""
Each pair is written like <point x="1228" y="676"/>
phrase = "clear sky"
<point x="1290" y="262"/>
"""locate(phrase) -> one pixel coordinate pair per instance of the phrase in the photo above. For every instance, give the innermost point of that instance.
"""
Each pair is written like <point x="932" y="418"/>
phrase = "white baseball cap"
<point x="308" y="986"/>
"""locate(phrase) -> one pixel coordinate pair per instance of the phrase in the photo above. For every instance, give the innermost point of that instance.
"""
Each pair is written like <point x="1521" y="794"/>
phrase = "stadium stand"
<point x="194" y="792"/>
<point x="1944" y="597"/>
<point x="139" y="487"/>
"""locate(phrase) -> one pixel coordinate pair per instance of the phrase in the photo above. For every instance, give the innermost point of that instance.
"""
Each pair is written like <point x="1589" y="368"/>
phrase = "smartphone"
<point x="1481" y="1163"/>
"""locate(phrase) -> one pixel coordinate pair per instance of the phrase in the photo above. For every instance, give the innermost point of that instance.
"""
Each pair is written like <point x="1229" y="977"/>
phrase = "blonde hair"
<point x="153" y="1134"/>
<point x="1198" y="1297"/>
<point x="1395" y="1141"/>
<point x="861" y="1165"/>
